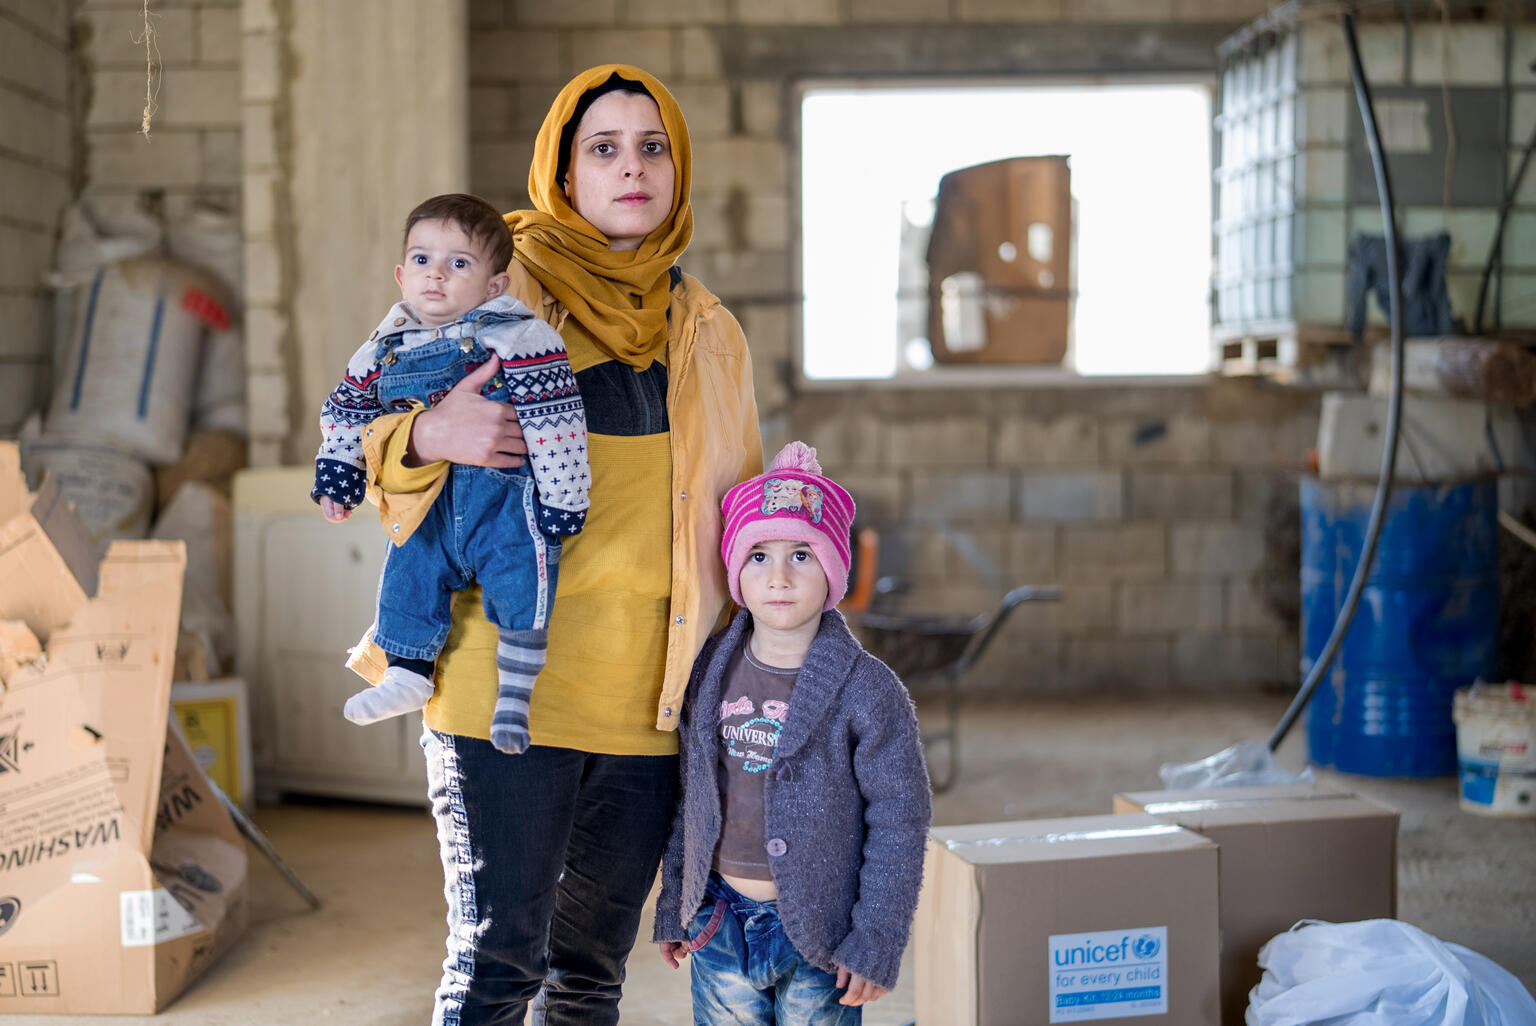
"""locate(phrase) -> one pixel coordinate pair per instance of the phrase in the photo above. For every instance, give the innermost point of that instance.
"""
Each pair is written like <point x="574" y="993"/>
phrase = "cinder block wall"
<point x="37" y="167"/>
<point x="193" y="150"/>
<point x="1164" y="511"/>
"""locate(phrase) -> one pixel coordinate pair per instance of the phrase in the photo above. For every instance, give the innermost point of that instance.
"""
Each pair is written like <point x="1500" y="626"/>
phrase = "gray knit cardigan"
<point x="846" y="805"/>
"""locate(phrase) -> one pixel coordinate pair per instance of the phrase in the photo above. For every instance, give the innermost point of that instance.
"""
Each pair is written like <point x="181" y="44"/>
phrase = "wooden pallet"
<point x="1283" y="352"/>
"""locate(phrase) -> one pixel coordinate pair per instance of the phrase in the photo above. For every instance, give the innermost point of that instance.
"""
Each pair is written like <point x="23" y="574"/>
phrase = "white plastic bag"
<point x="1245" y="764"/>
<point x="1381" y="972"/>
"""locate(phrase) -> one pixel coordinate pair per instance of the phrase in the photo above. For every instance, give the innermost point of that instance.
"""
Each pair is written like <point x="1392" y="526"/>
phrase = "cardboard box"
<point x="1110" y="919"/>
<point x="1000" y="263"/>
<point x="1287" y="853"/>
<point x="122" y="876"/>
<point x="215" y="718"/>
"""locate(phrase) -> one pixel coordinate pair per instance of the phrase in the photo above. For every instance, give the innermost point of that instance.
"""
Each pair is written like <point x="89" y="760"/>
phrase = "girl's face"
<point x="620" y="176"/>
<point x="782" y="583"/>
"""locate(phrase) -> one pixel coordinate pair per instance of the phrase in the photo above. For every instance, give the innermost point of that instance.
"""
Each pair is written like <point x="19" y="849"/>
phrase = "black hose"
<point x="1394" y="404"/>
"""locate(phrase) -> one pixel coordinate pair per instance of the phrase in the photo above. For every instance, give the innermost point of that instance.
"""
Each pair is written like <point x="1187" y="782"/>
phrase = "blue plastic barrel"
<point x="1426" y="625"/>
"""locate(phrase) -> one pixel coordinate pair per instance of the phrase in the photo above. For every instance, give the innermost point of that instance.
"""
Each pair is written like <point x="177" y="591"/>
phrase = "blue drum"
<point x="1426" y="625"/>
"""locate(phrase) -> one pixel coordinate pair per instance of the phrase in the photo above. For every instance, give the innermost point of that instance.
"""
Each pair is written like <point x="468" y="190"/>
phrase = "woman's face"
<point x="620" y="176"/>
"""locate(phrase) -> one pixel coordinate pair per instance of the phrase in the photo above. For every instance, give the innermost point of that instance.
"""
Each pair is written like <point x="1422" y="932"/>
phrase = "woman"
<point x="548" y="856"/>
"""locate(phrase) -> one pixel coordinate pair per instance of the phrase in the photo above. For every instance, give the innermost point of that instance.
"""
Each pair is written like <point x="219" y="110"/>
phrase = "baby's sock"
<point x="401" y="690"/>
<point x="519" y="658"/>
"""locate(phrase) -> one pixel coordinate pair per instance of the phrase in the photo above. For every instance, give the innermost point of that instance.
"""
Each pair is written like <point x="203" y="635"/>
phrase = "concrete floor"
<point x="371" y="955"/>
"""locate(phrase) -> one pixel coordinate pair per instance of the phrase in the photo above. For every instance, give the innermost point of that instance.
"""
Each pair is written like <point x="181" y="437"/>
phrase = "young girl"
<point x="793" y="867"/>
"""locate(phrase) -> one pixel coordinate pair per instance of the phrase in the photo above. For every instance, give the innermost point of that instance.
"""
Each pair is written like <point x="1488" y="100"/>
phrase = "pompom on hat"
<point x="792" y="501"/>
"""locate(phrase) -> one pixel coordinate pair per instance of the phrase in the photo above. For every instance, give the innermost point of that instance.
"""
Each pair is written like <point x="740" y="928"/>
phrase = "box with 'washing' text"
<point x="1104" y="919"/>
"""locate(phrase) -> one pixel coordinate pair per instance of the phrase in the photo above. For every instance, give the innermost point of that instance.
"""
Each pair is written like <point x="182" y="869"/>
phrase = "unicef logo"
<point x="1146" y="947"/>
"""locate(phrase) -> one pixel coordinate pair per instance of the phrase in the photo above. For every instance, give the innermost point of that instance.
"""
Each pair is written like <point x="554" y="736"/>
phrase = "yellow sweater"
<point x="631" y="611"/>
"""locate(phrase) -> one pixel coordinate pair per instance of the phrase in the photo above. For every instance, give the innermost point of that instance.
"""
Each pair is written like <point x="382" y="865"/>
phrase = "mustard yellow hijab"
<point x="617" y="299"/>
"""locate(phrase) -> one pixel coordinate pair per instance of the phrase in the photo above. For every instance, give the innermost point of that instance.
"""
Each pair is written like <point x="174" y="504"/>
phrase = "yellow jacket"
<point x="713" y="433"/>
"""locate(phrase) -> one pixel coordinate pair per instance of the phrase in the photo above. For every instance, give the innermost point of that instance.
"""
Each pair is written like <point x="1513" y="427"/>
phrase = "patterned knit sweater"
<point x="540" y="383"/>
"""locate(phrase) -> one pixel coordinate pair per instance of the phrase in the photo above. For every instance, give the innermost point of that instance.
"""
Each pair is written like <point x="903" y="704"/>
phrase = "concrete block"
<point x="1228" y="11"/>
<point x="115" y="38"/>
<point x="1182" y="438"/>
<point x="492" y="111"/>
<point x="1249" y="612"/>
<point x="258" y="16"/>
<point x="945" y="441"/>
<point x="907" y="11"/>
<point x="1181" y="494"/>
<point x="575" y="12"/>
<point x="263" y="275"/>
<point x="1215" y="550"/>
<point x="1030" y="555"/>
<point x="218" y="35"/>
<point x="33" y="196"/>
<point x="265" y="450"/>
<point x="1015" y="663"/>
<point x="762" y="108"/>
<point x="1246" y="443"/>
<point x="735" y="276"/>
<point x="855" y="438"/>
<point x="768" y="220"/>
<point x="266" y="398"/>
<point x="677" y="12"/>
<point x="200" y="96"/>
<point x="258" y="202"/>
<point x="169" y="159"/>
<point x="698" y="53"/>
<point x="707" y="108"/>
<point x="47" y="17"/>
<point x="28" y="320"/>
<point x="878" y="496"/>
<point x="1118" y="664"/>
<point x="1222" y="662"/>
<point x="767" y="328"/>
<point x="1010" y="10"/>
<point x="265" y="331"/>
<point x="1440" y="439"/>
<point x="1117" y="553"/>
<point x="32" y="60"/>
<point x="484" y="14"/>
<point x="1473" y="56"/>
<point x="34" y="129"/>
<point x="520" y="54"/>
<point x="23" y="388"/>
<point x="1264" y="495"/>
<point x="648" y="48"/>
<point x="1072" y="439"/>
<point x="261" y="64"/>
<point x="1117" y="10"/>
<point x="1071" y="495"/>
<point x="221" y="158"/>
<point x="505" y="158"/>
<point x="945" y="496"/>
<point x="740" y="162"/>
<point x="258" y="129"/>
<point x="1169" y="608"/>
<point x="785" y="12"/>
<point x="117" y="100"/>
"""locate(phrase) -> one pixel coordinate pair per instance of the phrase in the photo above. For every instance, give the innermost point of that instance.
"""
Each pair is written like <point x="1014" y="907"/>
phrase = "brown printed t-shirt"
<point x="748" y="724"/>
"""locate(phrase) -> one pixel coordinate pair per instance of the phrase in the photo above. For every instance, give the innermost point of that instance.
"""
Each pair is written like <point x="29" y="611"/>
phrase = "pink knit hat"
<point x="793" y="501"/>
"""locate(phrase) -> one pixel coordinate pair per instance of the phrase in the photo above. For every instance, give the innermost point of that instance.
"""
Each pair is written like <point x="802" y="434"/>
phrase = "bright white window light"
<point x="1141" y="174"/>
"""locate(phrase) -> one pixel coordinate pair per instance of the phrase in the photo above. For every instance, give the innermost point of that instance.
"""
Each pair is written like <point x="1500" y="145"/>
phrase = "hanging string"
<point x="151" y="87"/>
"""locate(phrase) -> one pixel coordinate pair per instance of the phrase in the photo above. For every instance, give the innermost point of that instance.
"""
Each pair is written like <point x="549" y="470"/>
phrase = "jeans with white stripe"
<point x="547" y="859"/>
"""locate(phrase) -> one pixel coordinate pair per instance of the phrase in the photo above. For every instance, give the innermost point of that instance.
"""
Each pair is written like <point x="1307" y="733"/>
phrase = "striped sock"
<point x="400" y="691"/>
<point x="519" y="658"/>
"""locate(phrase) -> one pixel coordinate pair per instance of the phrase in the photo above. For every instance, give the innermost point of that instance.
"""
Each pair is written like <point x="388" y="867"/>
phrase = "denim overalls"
<point x="483" y="527"/>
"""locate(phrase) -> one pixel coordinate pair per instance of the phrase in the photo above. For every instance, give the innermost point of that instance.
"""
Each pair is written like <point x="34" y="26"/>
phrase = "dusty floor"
<point x="370" y="956"/>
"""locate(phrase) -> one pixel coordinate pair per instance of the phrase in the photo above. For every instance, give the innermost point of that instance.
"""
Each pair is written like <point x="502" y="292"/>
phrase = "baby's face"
<point x="445" y="274"/>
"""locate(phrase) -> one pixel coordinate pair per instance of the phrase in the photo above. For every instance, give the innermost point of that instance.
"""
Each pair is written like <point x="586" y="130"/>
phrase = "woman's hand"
<point x="672" y="952"/>
<point x="465" y="427"/>
<point x="860" y="990"/>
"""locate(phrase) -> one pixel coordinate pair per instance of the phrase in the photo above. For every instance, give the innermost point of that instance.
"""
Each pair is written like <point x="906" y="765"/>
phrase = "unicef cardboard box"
<point x="1104" y="919"/>
<point x="1287" y="853"/>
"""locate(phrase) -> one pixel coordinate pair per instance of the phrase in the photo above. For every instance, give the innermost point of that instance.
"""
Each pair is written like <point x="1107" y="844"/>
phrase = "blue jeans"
<point x="746" y="973"/>
<point x="547" y="860"/>
<point x="484" y="526"/>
